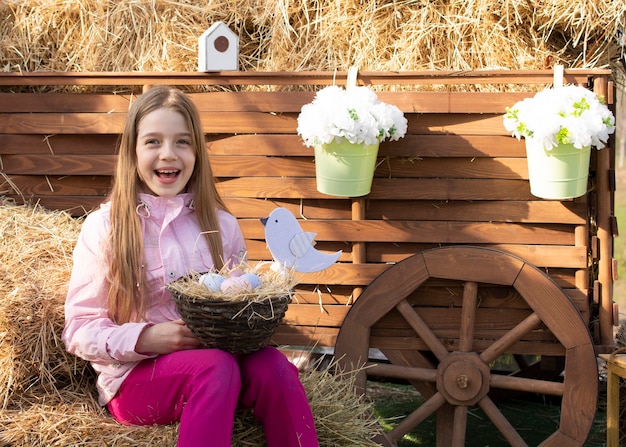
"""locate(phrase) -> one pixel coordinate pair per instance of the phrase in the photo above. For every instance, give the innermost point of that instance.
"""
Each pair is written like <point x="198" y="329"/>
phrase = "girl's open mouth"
<point x="167" y="174"/>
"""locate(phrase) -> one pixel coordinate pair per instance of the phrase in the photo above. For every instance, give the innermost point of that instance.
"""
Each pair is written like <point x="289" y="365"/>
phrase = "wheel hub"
<point x="463" y="378"/>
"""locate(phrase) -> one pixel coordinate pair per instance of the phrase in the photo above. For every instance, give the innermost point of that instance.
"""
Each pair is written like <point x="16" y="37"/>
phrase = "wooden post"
<point x="605" y="194"/>
<point x="359" y="255"/>
<point x="581" y="239"/>
<point x="616" y="368"/>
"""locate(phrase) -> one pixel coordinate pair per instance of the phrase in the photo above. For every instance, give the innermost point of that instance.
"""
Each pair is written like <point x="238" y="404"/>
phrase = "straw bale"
<point x="48" y="397"/>
<point x="35" y="255"/>
<point x="282" y="35"/>
<point x="73" y="418"/>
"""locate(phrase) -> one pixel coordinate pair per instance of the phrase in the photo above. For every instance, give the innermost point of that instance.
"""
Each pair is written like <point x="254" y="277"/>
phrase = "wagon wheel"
<point x="461" y="378"/>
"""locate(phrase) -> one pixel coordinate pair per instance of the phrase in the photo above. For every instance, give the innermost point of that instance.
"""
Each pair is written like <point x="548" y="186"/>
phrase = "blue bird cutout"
<point x="291" y="247"/>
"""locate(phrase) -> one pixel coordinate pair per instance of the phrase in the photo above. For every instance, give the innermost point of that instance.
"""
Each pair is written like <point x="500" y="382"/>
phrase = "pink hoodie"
<point x="174" y="247"/>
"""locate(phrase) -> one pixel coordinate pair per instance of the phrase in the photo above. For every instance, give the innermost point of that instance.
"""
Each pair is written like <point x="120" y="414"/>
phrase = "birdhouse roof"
<point x="219" y="27"/>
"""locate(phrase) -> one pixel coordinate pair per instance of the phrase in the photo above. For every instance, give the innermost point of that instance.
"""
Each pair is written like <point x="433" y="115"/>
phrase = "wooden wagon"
<point x="447" y="265"/>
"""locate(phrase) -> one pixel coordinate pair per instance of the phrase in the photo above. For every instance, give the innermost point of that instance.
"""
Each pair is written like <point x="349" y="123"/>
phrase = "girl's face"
<point x="165" y="154"/>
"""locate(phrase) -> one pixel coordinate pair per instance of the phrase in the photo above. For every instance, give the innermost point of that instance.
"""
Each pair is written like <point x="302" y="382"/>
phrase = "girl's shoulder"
<point x="229" y="225"/>
<point x="223" y="214"/>
<point x="98" y="220"/>
<point x="225" y="217"/>
<point x="103" y="212"/>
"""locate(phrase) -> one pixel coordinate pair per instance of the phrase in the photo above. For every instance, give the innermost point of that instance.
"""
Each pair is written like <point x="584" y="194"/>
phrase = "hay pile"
<point x="48" y="397"/>
<point x="283" y="35"/>
<point x="35" y="260"/>
<point x="73" y="418"/>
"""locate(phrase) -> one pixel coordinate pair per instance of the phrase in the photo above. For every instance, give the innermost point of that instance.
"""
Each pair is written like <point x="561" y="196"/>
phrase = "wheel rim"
<point x="460" y="377"/>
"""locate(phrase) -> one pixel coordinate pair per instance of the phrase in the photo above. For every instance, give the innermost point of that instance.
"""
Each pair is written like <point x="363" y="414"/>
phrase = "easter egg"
<point x="236" y="272"/>
<point x="252" y="279"/>
<point x="212" y="281"/>
<point x="235" y="284"/>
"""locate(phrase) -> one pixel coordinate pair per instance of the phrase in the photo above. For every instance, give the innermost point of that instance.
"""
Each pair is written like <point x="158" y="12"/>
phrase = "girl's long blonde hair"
<point x="125" y="254"/>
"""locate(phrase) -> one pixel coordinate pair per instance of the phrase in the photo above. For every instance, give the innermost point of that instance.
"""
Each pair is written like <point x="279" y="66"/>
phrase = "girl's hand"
<point x="163" y="338"/>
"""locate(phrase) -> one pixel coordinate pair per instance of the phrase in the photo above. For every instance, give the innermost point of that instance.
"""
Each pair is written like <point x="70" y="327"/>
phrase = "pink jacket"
<point x="174" y="247"/>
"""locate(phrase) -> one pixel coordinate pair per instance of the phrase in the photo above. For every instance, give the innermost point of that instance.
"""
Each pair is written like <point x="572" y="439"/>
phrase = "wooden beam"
<point x="576" y="76"/>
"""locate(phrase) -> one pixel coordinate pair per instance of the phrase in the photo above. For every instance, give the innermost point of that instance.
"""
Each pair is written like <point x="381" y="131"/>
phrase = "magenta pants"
<point x="202" y="389"/>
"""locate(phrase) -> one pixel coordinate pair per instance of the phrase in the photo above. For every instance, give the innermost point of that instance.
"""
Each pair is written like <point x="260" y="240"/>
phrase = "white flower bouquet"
<point x="563" y="115"/>
<point x="354" y="114"/>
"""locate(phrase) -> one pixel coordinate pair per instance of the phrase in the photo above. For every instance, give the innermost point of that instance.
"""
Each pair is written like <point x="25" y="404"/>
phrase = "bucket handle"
<point x="557" y="81"/>
<point x="353" y="73"/>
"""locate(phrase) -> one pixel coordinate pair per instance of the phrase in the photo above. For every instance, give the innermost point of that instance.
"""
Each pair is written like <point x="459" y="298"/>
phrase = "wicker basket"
<point x="241" y="326"/>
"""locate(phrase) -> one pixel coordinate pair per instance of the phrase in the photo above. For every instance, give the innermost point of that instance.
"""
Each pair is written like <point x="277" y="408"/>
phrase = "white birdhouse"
<point x="218" y="49"/>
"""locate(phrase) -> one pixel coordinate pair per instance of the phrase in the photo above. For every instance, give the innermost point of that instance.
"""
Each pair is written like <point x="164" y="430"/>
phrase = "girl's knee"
<point x="214" y="360"/>
<point x="213" y="363"/>
<point x="268" y="362"/>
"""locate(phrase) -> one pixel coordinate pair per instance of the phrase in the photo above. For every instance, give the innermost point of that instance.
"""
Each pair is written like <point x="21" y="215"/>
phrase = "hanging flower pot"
<point x="558" y="173"/>
<point x="345" y="127"/>
<point x="560" y="126"/>
<point x="345" y="169"/>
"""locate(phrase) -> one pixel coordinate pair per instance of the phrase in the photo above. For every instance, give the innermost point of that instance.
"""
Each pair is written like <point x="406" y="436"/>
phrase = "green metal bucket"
<point x="560" y="173"/>
<point x="345" y="169"/>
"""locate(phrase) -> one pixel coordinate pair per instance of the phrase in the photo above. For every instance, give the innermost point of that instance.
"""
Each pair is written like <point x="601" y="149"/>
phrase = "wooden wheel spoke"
<point x="402" y="372"/>
<point x="416" y="417"/>
<point x="468" y="316"/>
<point x="414" y="359"/>
<point x="459" y="428"/>
<point x="507" y="340"/>
<point x="501" y="423"/>
<point x="422" y="329"/>
<point x="528" y="385"/>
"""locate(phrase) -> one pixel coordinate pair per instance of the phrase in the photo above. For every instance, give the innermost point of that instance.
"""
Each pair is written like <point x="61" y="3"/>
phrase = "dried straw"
<point x="339" y="415"/>
<point x="47" y="396"/>
<point x="73" y="418"/>
<point x="35" y="259"/>
<point x="279" y="35"/>
<point x="273" y="284"/>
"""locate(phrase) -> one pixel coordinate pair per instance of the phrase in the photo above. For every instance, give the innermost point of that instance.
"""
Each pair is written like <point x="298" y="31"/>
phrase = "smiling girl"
<point x="164" y="220"/>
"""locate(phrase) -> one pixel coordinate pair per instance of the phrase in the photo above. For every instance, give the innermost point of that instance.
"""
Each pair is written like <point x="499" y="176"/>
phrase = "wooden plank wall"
<point x="456" y="178"/>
